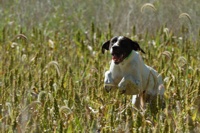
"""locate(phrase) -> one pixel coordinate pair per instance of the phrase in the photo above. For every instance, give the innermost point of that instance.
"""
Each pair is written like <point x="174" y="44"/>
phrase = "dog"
<point x="129" y="73"/>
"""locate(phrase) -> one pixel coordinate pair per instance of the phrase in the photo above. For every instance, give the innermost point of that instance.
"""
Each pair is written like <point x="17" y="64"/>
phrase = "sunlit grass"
<point x="55" y="83"/>
<point x="52" y="69"/>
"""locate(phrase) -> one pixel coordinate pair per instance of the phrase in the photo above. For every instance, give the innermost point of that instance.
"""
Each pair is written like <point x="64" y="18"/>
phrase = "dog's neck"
<point x="128" y="55"/>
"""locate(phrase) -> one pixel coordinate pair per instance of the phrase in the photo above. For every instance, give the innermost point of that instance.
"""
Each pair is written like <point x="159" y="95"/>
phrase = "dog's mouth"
<point x="117" y="57"/>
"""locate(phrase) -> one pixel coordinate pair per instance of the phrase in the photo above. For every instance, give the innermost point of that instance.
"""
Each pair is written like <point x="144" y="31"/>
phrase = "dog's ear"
<point x="105" y="46"/>
<point x="135" y="46"/>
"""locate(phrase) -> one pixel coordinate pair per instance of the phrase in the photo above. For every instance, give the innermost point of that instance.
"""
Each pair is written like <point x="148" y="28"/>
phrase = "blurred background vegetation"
<point x="70" y="15"/>
<point x="52" y="68"/>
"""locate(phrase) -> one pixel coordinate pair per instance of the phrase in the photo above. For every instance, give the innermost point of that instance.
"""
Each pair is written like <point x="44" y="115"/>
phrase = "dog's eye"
<point x="114" y="40"/>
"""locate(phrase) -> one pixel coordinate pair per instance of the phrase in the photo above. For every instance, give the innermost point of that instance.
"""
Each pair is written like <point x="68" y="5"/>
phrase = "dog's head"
<point x="120" y="47"/>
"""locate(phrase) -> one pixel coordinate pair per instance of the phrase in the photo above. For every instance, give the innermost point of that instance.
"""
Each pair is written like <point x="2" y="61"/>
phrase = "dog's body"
<point x="129" y="73"/>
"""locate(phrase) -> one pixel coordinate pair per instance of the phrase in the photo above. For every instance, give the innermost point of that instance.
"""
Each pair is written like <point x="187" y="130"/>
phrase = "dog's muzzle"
<point x="117" y="55"/>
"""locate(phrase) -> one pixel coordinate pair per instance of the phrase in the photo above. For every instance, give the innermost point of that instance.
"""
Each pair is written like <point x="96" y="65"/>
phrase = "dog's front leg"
<point x="108" y="81"/>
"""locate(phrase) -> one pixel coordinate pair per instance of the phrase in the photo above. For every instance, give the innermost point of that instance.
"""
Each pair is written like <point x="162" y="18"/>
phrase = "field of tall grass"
<point x="52" y="68"/>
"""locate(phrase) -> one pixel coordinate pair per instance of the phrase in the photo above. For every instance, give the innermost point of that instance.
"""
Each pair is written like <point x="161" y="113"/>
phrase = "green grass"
<point x="51" y="74"/>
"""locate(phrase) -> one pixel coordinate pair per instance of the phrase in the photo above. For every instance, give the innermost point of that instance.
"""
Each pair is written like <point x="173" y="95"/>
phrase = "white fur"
<point x="133" y="76"/>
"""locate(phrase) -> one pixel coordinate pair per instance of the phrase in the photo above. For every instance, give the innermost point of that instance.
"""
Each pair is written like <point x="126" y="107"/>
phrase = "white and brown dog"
<point x="129" y="73"/>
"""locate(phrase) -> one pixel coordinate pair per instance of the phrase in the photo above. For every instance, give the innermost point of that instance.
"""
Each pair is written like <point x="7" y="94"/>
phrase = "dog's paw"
<point x="108" y="87"/>
<point x="122" y="91"/>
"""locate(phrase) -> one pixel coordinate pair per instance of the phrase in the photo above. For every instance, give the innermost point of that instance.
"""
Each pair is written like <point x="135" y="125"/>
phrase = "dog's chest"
<point x="118" y="72"/>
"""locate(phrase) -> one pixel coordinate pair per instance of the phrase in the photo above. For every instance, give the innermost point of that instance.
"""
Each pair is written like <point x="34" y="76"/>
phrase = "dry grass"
<point x="51" y="79"/>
